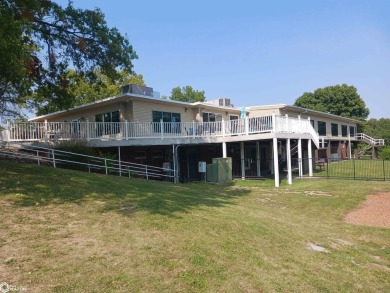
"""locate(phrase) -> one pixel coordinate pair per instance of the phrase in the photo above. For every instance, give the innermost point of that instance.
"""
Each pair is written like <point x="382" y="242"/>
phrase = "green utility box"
<point x="220" y="171"/>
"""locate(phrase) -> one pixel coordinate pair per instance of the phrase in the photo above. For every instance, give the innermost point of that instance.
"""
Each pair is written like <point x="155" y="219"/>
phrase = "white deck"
<point x="162" y="133"/>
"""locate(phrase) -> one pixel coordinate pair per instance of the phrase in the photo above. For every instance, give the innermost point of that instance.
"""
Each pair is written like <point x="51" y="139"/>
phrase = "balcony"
<point x="136" y="131"/>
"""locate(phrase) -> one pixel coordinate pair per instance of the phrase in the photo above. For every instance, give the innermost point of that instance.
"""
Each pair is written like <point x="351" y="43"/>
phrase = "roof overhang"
<point x="300" y="110"/>
<point x="127" y="98"/>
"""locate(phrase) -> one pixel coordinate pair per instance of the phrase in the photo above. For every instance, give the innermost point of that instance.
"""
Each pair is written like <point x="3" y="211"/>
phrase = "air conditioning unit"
<point x="137" y="89"/>
<point x="224" y="102"/>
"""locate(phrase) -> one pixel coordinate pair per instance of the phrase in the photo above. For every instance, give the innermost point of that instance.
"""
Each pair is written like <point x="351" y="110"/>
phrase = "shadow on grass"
<point x="29" y="185"/>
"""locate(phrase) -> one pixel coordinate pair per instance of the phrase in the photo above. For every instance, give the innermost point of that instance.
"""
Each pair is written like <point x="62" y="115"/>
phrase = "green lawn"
<point x="360" y="169"/>
<point x="69" y="231"/>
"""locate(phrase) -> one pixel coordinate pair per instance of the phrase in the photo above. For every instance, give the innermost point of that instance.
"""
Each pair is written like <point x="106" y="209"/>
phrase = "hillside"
<point x="69" y="231"/>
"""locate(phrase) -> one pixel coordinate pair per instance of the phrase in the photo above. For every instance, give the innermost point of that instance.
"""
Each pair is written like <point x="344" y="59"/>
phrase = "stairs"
<point x="294" y="148"/>
<point x="363" y="151"/>
<point x="372" y="144"/>
<point x="369" y="140"/>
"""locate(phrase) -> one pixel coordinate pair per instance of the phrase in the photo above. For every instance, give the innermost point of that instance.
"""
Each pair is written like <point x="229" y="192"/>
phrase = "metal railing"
<point x="63" y="159"/>
<point x="54" y="131"/>
<point x="357" y="169"/>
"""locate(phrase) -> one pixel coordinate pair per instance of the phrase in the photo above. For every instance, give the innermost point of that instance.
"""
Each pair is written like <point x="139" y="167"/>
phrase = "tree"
<point x="83" y="91"/>
<point x="378" y="128"/>
<point x="342" y="100"/>
<point x="187" y="94"/>
<point x="40" y="41"/>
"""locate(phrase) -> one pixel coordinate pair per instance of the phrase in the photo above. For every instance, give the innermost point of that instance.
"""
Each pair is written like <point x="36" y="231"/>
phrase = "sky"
<point x="258" y="52"/>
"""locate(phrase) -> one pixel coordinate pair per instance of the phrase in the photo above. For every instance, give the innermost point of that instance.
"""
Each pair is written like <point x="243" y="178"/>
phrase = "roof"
<point x="127" y="97"/>
<point x="301" y="110"/>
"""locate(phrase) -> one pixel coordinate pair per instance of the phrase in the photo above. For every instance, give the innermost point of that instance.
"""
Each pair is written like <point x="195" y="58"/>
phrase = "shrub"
<point x="384" y="153"/>
<point x="79" y="148"/>
<point x="76" y="146"/>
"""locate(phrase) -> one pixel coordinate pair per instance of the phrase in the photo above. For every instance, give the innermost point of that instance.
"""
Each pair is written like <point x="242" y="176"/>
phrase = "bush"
<point x="384" y="153"/>
<point x="76" y="146"/>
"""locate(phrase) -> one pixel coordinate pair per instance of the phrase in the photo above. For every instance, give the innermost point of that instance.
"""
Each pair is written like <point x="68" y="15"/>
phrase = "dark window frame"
<point x="321" y="128"/>
<point x="108" y="118"/>
<point x="352" y="130"/>
<point x="172" y="117"/>
<point x="334" y="127"/>
<point x="344" y="130"/>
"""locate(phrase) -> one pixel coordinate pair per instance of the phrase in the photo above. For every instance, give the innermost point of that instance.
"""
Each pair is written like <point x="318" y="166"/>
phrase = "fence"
<point x="68" y="160"/>
<point x="355" y="169"/>
<point x="360" y="169"/>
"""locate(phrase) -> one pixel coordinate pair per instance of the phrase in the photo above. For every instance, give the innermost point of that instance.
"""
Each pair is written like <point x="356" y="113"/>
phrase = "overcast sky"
<point x="258" y="52"/>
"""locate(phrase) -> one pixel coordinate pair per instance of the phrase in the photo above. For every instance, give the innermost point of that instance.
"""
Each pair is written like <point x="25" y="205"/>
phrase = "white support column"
<point x="46" y="131"/>
<point x="88" y="134"/>
<point x="119" y="161"/>
<point x="258" y="158"/>
<point x="300" y="157"/>
<point x="289" y="171"/>
<point x="126" y="130"/>
<point x="242" y="150"/>
<point x="174" y="163"/>
<point x="224" y="151"/>
<point x="349" y="143"/>
<point x="162" y="128"/>
<point x="276" y="161"/>
<point x="310" y="161"/>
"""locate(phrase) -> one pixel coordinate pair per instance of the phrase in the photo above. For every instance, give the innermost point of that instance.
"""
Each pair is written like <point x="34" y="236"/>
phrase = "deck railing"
<point x="370" y="140"/>
<point x="54" y="131"/>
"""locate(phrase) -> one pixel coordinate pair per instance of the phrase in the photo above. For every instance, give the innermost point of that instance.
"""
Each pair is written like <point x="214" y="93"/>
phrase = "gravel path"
<point x="375" y="211"/>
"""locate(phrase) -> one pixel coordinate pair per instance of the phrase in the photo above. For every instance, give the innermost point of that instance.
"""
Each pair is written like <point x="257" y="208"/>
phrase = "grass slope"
<point x="68" y="231"/>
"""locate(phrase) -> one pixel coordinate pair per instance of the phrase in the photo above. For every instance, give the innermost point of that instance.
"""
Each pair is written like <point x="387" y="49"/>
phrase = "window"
<point x="312" y="122"/>
<point x="233" y="117"/>
<point x="157" y="116"/>
<point x="165" y="116"/>
<point x="322" y="128"/>
<point x="212" y="117"/>
<point x="110" y="126"/>
<point x="75" y="128"/>
<point x="344" y="130"/>
<point x="335" y="129"/>
<point x="352" y="130"/>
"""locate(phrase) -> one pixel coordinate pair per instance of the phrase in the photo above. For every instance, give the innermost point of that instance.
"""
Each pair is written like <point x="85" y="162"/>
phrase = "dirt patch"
<point x="375" y="211"/>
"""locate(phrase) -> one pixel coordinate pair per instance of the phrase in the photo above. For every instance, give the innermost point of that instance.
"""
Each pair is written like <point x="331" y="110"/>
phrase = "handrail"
<point x="285" y="124"/>
<point x="370" y="140"/>
<point x="55" y="157"/>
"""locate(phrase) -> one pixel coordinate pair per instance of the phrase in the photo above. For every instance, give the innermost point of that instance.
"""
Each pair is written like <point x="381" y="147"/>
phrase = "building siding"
<point x="142" y="111"/>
